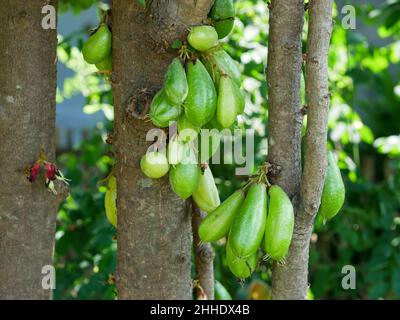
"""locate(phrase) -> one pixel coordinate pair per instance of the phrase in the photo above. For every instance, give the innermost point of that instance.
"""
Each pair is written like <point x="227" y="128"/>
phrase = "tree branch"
<point x="291" y="279"/>
<point x="204" y="257"/>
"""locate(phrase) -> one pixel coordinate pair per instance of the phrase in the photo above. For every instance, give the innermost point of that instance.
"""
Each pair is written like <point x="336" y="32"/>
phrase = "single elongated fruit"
<point x="217" y="223"/>
<point x="219" y="62"/>
<point x="223" y="14"/>
<point x="162" y="111"/>
<point x="224" y="27"/>
<point x="203" y="38"/>
<point x="230" y="102"/>
<point x="206" y="194"/>
<point x="201" y="102"/>
<point x="333" y="194"/>
<point x="220" y="292"/>
<point x="279" y="225"/>
<point x="110" y="201"/>
<point x="248" y="226"/>
<point x="184" y="177"/>
<point x="175" y="82"/>
<point x="222" y="9"/>
<point x="241" y="267"/>
<point x="154" y="164"/>
<point x="105" y="65"/>
<point x="175" y="151"/>
<point x="187" y="131"/>
<point x="98" y="46"/>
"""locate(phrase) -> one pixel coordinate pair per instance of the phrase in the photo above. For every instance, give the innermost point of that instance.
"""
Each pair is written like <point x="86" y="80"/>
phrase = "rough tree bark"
<point x="154" y="226"/>
<point x="204" y="257"/>
<point x="290" y="281"/>
<point x="27" y="125"/>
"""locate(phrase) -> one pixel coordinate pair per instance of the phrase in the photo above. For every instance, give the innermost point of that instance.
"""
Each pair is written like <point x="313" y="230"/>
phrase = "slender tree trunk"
<point x="154" y="226"/>
<point x="204" y="257"/>
<point x="290" y="281"/>
<point x="27" y="125"/>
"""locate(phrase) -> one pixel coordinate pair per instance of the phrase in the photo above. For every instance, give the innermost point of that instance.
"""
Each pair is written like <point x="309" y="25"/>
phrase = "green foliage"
<point x="363" y="131"/>
<point x="85" y="251"/>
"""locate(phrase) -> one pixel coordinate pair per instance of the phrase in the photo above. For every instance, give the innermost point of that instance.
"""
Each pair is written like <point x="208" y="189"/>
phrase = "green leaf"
<point x="176" y="44"/>
<point x="142" y="2"/>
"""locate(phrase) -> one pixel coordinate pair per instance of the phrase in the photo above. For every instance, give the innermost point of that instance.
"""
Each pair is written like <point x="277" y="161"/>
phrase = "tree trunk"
<point x="154" y="225"/>
<point x="27" y="125"/>
<point x="290" y="281"/>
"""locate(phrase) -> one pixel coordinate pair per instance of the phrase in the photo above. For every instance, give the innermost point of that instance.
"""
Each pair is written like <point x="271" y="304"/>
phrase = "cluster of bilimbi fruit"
<point x="204" y="92"/>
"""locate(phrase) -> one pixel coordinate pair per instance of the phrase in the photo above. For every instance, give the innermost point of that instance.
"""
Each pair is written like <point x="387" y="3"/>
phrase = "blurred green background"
<point x="363" y="130"/>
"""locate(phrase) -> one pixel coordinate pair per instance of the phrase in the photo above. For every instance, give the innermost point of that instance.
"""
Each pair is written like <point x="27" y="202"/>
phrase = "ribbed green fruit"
<point x="201" y="102"/>
<point x="216" y="224"/>
<point x="241" y="267"/>
<point x="184" y="177"/>
<point x="224" y="27"/>
<point x="333" y="194"/>
<point x="218" y="62"/>
<point x="110" y="201"/>
<point x="248" y="227"/>
<point x="223" y="14"/>
<point x="162" y="111"/>
<point x="206" y="194"/>
<point x="105" y="65"/>
<point x="175" y="82"/>
<point x="98" y="46"/>
<point x="220" y="292"/>
<point x="203" y="38"/>
<point x="230" y="102"/>
<point x="279" y="225"/>
<point x="154" y="164"/>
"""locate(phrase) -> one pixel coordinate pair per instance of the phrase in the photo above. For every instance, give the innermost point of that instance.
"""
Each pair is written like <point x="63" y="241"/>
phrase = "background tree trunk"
<point x="290" y="281"/>
<point x="154" y="225"/>
<point x="27" y="125"/>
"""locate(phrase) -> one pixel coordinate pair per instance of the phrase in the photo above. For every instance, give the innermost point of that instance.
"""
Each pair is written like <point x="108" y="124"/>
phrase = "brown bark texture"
<point x="204" y="256"/>
<point x="290" y="280"/>
<point x="27" y="125"/>
<point x="154" y="225"/>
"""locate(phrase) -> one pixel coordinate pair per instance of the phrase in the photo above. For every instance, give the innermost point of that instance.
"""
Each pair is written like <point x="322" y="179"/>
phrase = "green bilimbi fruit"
<point x="333" y="194"/>
<point x="218" y="62"/>
<point x="154" y="164"/>
<point x="206" y="194"/>
<point x="230" y="102"/>
<point x="201" y="102"/>
<point x="216" y="224"/>
<point x="175" y="151"/>
<point x="223" y="14"/>
<point x="105" y="65"/>
<point x="162" y="111"/>
<point x="203" y="38"/>
<point x="184" y="177"/>
<point x="224" y="27"/>
<point x="220" y="292"/>
<point x="187" y="131"/>
<point x="175" y="82"/>
<point x="98" y="46"/>
<point x="248" y="225"/>
<point x="110" y="201"/>
<point x="279" y="225"/>
<point x="241" y="267"/>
